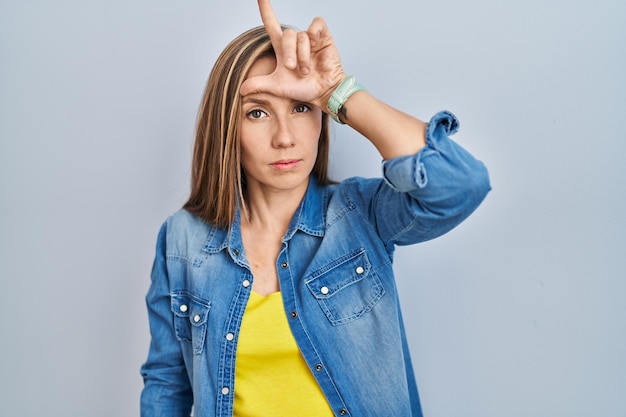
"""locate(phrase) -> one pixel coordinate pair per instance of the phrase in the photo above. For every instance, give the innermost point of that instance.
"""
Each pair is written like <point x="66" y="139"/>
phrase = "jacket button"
<point x="284" y="264"/>
<point x="294" y="314"/>
<point x="183" y="308"/>
<point x="360" y="270"/>
<point x="230" y="336"/>
<point x="324" y="290"/>
<point x="343" y="411"/>
<point x="225" y="390"/>
<point x="245" y="283"/>
<point x="318" y="367"/>
<point x="196" y="318"/>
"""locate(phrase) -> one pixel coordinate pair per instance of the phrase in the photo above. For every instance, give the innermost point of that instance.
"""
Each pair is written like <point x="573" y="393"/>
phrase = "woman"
<point x="272" y="290"/>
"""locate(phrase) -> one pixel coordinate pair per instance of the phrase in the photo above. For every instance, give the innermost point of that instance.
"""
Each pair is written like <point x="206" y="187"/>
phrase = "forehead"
<point x="263" y="66"/>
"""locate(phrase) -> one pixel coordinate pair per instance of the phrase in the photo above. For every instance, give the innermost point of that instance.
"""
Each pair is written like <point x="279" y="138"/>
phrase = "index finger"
<point x="271" y="23"/>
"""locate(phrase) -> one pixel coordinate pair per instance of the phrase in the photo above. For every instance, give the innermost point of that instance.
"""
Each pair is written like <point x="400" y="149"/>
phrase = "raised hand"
<point x="308" y="67"/>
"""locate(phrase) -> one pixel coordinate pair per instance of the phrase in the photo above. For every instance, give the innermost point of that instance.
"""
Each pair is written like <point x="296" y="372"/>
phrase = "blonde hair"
<point x="217" y="179"/>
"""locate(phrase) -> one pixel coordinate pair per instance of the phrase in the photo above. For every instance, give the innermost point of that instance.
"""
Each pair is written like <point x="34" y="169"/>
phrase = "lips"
<point x="285" y="164"/>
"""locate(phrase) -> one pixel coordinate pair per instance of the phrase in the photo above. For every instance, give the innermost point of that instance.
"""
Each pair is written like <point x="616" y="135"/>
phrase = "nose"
<point x="283" y="135"/>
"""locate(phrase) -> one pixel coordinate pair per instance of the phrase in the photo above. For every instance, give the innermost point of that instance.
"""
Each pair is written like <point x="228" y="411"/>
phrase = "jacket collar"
<point x="310" y="217"/>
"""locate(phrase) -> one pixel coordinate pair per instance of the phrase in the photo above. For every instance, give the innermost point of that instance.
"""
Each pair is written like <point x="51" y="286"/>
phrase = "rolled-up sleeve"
<point x="445" y="181"/>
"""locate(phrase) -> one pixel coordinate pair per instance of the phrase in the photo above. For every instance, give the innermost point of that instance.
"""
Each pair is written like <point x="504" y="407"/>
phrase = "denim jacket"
<point x="336" y="280"/>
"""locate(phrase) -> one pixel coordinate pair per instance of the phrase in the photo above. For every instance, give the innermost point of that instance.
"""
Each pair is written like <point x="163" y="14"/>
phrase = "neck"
<point x="272" y="211"/>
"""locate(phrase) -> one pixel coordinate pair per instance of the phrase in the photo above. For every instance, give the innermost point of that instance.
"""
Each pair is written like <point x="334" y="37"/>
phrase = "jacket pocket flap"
<point x="195" y="309"/>
<point x="339" y="274"/>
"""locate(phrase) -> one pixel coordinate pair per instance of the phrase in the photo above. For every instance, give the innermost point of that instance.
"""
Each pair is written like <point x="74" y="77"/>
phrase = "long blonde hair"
<point x="217" y="180"/>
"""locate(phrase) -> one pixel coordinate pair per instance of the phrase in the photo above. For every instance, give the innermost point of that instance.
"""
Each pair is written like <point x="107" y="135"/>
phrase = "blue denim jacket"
<point x="336" y="279"/>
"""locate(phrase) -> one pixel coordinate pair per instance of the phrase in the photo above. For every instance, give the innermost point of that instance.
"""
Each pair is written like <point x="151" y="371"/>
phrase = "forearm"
<point x="392" y="132"/>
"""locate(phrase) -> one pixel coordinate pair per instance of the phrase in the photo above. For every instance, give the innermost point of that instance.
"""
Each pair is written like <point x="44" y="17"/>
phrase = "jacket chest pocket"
<point x="190" y="319"/>
<point x="346" y="288"/>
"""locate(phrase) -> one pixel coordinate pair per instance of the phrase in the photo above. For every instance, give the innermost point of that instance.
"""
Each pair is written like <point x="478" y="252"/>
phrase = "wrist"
<point x="346" y="88"/>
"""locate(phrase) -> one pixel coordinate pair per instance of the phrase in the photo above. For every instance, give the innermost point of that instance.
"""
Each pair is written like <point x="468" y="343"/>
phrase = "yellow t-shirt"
<point x="271" y="377"/>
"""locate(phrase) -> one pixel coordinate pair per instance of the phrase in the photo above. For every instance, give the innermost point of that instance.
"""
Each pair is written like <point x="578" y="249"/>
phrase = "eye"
<point x="301" y="108"/>
<point x="256" y="114"/>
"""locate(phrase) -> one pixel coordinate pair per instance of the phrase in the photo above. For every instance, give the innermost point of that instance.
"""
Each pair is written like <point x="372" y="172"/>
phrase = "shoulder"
<point x="351" y="195"/>
<point x="348" y="192"/>
<point x="183" y="233"/>
<point x="183" y="220"/>
<point x="357" y="190"/>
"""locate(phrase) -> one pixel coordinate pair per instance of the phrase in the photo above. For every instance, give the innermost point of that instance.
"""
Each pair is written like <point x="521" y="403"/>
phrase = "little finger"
<point x="317" y="31"/>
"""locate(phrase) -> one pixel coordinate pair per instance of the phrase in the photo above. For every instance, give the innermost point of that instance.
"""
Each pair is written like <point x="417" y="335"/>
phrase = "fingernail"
<point x="290" y="63"/>
<point x="304" y="70"/>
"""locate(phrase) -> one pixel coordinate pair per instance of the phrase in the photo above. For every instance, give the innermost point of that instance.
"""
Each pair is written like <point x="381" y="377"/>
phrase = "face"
<point x="279" y="138"/>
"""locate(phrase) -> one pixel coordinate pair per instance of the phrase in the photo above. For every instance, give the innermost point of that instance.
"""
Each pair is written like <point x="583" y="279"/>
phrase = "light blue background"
<point x="519" y="312"/>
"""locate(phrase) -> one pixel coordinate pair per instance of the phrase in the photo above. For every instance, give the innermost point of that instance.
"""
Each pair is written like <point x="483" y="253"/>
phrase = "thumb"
<point x="258" y="84"/>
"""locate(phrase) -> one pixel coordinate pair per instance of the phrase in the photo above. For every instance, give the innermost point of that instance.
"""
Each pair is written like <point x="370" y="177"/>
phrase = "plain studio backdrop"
<point x="519" y="312"/>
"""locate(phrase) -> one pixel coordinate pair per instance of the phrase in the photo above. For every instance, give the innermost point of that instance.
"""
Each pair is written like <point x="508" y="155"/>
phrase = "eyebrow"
<point x="252" y="99"/>
<point x="249" y="99"/>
